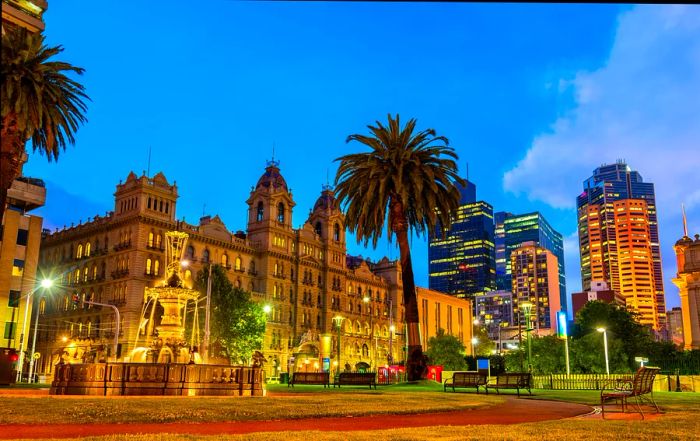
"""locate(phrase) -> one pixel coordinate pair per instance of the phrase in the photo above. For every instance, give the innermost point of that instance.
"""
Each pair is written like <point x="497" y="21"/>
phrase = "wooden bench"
<point x="356" y="379"/>
<point x="310" y="378"/>
<point x="466" y="379"/>
<point x="511" y="380"/>
<point x="640" y="388"/>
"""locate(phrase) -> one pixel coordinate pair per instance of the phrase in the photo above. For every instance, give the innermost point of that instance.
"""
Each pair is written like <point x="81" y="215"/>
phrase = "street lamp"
<point x="392" y="328"/>
<point x="46" y="284"/>
<point x="527" y="308"/>
<point x="367" y="299"/>
<point x="20" y="362"/>
<point x="605" y="345"/>
<point x="475" y="341"/>
<point x="338" y="320"/>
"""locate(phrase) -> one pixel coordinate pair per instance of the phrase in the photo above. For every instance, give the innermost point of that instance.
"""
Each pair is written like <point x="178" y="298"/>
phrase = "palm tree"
<point x="39" y="102"/>
<point x="410" y="179"/>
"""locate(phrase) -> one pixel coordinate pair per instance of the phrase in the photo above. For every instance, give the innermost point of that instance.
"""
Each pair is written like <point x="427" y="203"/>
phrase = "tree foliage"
<point x="484" y="346"/>
<point x="237" y="323"/>
<point x="447" y="351"/>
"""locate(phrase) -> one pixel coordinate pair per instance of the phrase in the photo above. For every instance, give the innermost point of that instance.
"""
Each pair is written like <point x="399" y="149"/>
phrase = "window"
<point x="87" y="249"/>
<point x="224" y="260"/>
<point x="280" y="212"/>
<point x="18" y="267"/>
<point x="9" y="331"/>
<point x="336" y="233"/>
<point x="205" y="256"/>
<point x="149" y="263"/>
<point x="159" y="240"/>
<point x="260" y="212"/>
<point x="79" y="254"/>
<point x="14" y="299"/>
<point x="156" y="267"/>
<point x="318" y="228"/>
<point x="22" y="237"/>
<point x="150" y="239"/>
<point x="190" y="252"/>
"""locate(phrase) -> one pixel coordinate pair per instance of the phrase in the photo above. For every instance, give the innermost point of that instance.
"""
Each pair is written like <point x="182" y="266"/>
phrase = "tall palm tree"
<point x="39" y="102"/>
<point x="408" y="179"/>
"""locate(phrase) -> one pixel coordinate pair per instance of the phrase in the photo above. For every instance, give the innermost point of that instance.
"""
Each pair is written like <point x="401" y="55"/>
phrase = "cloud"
<point x="642" y="106"/>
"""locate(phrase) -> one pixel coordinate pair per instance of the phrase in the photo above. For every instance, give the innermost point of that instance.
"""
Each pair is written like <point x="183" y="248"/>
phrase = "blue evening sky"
<point x="211" y="87"/>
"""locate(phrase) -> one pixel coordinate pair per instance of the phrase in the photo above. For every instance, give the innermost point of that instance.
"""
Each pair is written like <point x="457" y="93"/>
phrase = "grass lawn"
<point x="680" y="421"/>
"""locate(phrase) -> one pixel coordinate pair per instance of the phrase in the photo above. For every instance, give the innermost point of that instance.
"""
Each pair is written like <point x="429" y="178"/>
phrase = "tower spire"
<point x="685" y="222"/>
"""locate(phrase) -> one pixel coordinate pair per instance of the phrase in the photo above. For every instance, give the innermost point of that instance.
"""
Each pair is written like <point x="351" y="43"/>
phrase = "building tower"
<point x="535" y="279"/>
<point x="688" y="282"/>
<point x="529" y="227"/>
<point x="598" y="239"/>
<point x="461" y="262"/>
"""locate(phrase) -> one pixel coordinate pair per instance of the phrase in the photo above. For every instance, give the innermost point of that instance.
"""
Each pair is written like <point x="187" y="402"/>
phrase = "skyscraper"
<point x="599" y="241"/>
<point x="514" y="230"/>
<point x="462" y="261"/>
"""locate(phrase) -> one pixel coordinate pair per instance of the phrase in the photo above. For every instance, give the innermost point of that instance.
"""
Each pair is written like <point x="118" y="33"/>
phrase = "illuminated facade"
<point x="502" y="261"/>
<point x="494" y="309"/>
<point x="530" y="227"/>
<point x="462" y="262"/>
<point x="24" y="13"/>
<point x="599" y="241"/>
<point x="303" y="274"/>
<point x="535" y="279"/>
<point x="688" y="282"/>
<point x="20" y="237"/>
<point x="442" y="311"/>
<point x="674" y="318"/>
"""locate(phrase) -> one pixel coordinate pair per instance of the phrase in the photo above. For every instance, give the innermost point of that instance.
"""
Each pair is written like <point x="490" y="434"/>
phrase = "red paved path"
<point x="512" y="411"/>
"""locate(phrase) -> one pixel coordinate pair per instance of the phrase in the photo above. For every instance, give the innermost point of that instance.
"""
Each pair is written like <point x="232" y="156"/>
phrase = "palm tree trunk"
<point x="11" y="147"/>
<point x="415" y="363"/>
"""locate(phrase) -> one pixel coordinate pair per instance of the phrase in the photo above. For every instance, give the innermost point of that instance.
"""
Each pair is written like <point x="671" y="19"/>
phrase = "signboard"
<point x="641" y="360"/>
<point x="326" y="364"/>
<point x="562" y="330"/>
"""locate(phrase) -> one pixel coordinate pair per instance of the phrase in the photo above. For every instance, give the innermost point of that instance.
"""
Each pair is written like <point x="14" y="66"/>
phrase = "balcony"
<point x="122" y="246"/>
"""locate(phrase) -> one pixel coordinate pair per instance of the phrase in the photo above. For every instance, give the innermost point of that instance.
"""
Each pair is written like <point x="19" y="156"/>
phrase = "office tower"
<point x="535" y="279"/>
<point x="461" y="262"/>
<point x="521" y="228"/>
<point x="598" y="238"/>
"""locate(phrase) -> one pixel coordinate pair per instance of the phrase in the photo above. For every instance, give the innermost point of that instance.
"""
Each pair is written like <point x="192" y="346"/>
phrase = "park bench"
<point x="511" y="380"/>
<point x="356" y="379"/>
<point x="465" y="379"/>
<point x="640" y="387"/>
<point x="310" y="378"/>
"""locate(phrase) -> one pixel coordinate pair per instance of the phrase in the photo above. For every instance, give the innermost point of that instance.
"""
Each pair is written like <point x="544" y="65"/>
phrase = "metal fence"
<point x="576" y="381"/>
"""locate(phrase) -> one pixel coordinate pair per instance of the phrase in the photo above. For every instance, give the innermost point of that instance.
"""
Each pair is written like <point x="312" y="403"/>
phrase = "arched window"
<point x="149" y="264"/>
<point x="261" y="211"/>
<point x="188" y="274"/>
<point x="94" y="272"/>
<point x="336" y="232"/>
<point x="252" y="266"/>
<point x="150" y="239"/>
<point x="156" y="267"/>
<point x="159" y="240"/>
<point x="42" y="306"/>
<point x="205" y="256"/>
<point x="87" y="249"/>
<point x="318" y="228"/>
<point x="224" y="260"/>
<point x="190" y="252"/>
<point x="280" y="212"/>
<point x="365" y="350"/>
<point x="79" y="254"/>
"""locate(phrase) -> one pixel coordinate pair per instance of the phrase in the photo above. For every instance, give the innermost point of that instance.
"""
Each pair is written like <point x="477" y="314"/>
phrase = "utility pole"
<point x="205" y="351"/>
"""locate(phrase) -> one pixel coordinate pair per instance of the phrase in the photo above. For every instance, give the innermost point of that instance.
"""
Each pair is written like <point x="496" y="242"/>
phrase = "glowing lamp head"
<point x="365" y="299"/>
<point x="600" y="329"/>
<point x="184" y="263"/>
<point x="267" y="309"/>
<point x="46" y="283"/>
<point x="64" y="339"/>
<point x="475" y="340"/>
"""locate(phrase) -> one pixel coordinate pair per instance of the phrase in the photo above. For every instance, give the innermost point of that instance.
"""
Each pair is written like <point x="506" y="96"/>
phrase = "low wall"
<point x="156" y="379"/>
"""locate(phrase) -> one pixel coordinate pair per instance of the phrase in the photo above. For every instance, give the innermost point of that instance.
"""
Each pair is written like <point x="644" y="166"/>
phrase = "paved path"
<point x="512" y="411"/>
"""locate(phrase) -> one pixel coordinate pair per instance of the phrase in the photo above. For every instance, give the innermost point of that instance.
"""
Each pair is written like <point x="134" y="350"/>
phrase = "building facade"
<point x="442" y="311"/>
<point x="675" y="325"/>
<point x="20" y="237"/>
<point x="24" y="13"/>
<point x="461" y="262"/>
<point x="535" y="279"/>
<point x="688" y="282"/>
<point x="599" y="242"/>
<point x="599" y="291"/>
<point x="529" y="227"/>
<point x="303" y="274"/>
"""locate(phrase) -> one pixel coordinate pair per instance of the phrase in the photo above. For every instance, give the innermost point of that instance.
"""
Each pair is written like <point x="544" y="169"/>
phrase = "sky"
<point x="532" y="97"/>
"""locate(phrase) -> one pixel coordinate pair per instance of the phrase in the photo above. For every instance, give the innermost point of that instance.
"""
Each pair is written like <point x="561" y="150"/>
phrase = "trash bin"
<point x="284" y="377"/>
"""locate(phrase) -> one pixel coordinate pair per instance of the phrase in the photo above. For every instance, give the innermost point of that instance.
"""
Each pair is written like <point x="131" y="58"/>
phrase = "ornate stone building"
<point x="688" y="282"/>
<point x="303" y="274"/>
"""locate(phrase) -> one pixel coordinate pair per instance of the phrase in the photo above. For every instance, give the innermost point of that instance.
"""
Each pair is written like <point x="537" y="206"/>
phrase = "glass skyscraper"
<point x="514" y="230"/>
<point x="598" y="241"/>
<point x="462" y="261"/>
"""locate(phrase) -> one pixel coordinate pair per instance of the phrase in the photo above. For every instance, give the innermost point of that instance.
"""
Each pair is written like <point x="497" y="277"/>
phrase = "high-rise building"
<point x="20" y="236"/>
<point x="519" y="229"/>
<point x="535" y="279"/>
<point x="461" y="262"/>
<point x="688" y="282"/>
<point x="599" y="242"/>
<point x="674" y="319"/>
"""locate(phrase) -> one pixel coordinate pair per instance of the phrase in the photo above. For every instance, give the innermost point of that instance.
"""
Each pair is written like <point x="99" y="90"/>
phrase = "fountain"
<point x="166" y="367"/>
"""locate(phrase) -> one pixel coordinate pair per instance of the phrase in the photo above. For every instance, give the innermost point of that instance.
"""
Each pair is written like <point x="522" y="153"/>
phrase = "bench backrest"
<point x="310" y="376"/>
<point x="357" y="375"/>
<point x="643" y="381"/>
<point x="470" y="377"/>
<point x="520" y="379"/>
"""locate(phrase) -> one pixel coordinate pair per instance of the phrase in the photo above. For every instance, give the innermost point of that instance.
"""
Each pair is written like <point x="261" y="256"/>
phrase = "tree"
<point x="588" y="355"/>
<point x="408" y="178"/>
<point x="39" y="102"/>
<point x="484" y="346"/>
<point x="237" y="323"/>
<point x="447" y="351"/>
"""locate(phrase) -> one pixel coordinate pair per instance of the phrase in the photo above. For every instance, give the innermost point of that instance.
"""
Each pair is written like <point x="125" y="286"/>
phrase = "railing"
<point x="576" y="381"/>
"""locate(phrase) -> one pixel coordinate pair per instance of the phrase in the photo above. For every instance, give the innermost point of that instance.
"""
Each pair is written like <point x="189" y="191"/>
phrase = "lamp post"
<point x="605" y="345"/>
<point x="527" y="308"/>
<point x="20" y="361"/>
<point x="338" y="320"/>
<point x="207" y="309"/>
<point x="367" y="299"/>
<point x="46" y="284"/>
